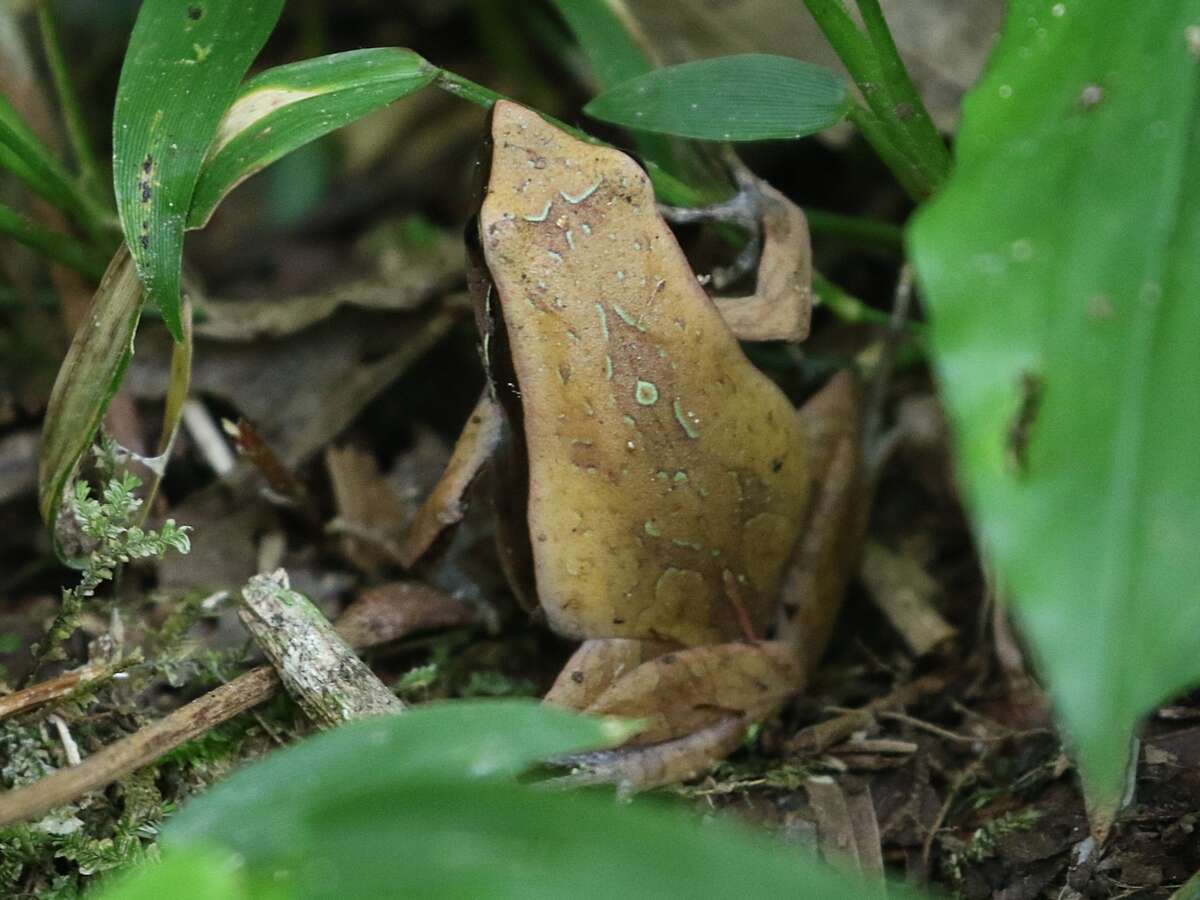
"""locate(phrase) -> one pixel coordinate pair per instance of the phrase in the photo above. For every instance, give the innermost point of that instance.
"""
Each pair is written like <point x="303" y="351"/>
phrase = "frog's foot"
<point x="597" y="665"/>
<point x="634" y="769"/>
<point x="695" y="702"/>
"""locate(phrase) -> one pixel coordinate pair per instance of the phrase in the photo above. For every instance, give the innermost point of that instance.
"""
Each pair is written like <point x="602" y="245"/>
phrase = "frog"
<point x="654" y="482"/>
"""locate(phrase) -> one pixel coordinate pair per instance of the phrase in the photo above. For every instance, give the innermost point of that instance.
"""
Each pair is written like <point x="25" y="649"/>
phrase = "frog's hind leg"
<point x="597" y="665"/>
<point x="682" y="692"/>
<point x="634" y="769"/>
<point x="696" y="704"/>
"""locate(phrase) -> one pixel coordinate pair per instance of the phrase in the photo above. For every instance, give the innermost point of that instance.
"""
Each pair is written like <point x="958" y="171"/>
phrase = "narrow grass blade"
<point x="748" y="97"/>
<point x="23" y="154"/>
<point x="287" y="107"/>
<point x="87" y="381"/>
<point x="52" y="244"/>
<point x="617" y="51"/>
<point x="182" y="70"/>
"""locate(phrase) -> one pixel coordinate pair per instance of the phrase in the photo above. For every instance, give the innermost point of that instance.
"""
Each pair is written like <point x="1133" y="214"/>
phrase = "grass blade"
<point x="182" y="70"/>
<point x="23" y="154"/>
<point x="53" y="244"/>
<point x="87" y="381"/>
<point x="748" y="97"/>
<point x="289" y="106"/>
<point x="614" y="46"/>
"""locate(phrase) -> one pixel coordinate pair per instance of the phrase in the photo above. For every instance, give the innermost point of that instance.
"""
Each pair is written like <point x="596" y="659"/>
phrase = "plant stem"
<point x="68" y="102"/>
<point x="901" y="150"/>
<point x="867" y="232"/>
<point x="908" y="108"/>
<point x="902" y="166"/>
<point x="849" y="308"/>
<point x="55" y="245"/>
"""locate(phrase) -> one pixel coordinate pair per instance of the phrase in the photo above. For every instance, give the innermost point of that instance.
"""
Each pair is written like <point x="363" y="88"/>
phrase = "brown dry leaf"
<point x="835" y="523"/>
<point x="685" y="691"/>
<point x="446" y="506"/>
<point x="225" y="526"/>
<point x="596" y="665"/>
<point x="905" y="593"/>
<point x="662" y="463"/>
<point x="302" y="390"/>
<point x="365" y="501"/>
<point x="780" y="308"/>
<point x="404" y="278"/>
<point x="847" y="830"/>
<point x="398" y="609"/>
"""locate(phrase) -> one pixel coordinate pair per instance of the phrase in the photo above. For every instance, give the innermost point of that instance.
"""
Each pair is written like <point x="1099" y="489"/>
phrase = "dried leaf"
<point x="780" y="308"/>
<point x="445" y="505"/>
<point x="834" y="524"/>
<point x="905" y="593"/>
<point x="398" y="609"/>
<point x="365" y="501"/>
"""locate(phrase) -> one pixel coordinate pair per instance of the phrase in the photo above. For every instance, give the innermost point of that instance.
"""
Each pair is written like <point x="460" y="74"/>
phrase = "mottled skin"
<point x="666" y="475"/>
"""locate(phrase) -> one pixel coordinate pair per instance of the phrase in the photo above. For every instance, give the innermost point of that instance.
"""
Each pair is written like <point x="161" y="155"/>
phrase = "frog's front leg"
<point x="695" y="701"/>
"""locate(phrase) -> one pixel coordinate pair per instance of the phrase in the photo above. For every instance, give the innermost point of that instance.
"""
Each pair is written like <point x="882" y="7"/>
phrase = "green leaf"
<point x="606" y="32"/>
<point x="1061" y="270"/>
<point x="286" y="107"/>
<point x="606" y="39"/>
<point x="191" y="874"/>
<point x="259" y="809"/>
<point x="53" y="244"/>
<point x="181" y="71"/>
<point x="398" y="807"/>
<point x="87" y="380"/>
<point x="749" y="97"/>
<point x="23" y="154"/>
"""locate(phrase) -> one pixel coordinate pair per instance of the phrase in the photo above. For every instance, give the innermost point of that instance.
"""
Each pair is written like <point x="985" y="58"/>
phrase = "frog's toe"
<point x="634" y="769"/>
<point x="597" y="665"/>
<point x="686" y="691"/>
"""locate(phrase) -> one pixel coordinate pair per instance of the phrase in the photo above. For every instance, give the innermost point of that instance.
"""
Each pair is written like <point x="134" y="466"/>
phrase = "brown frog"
<point x="662" y="481"/>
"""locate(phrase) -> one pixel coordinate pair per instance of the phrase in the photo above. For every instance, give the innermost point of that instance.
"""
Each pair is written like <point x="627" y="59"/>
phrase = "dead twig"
<point x="139" y="749"/>
<point x="55" y="688"/>
<point x="189" y="721"/>
<point x="820" y="737"/>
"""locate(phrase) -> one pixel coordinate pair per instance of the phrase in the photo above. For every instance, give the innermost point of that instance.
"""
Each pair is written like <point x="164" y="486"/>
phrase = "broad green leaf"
<point x="259" y="809"/>
<point x="189" y="874"/>
<point x="1061" y="271"/>
<point x="286" y="107"/>
<point x="88" y="379"/>
<point x="397" y="807"/>
<point x="748" y="97"/>
<point x="181" y="71"/>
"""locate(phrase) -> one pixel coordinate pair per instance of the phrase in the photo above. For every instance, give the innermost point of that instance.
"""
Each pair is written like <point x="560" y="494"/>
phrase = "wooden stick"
<point x="820" y="737"/>
<point x="141" y="748"/>
<point x="53" y="688"/>
<point x="244" y="692"/>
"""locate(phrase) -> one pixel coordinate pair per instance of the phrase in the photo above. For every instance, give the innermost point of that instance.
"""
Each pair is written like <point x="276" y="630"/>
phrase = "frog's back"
<point x="667" y="474"/>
